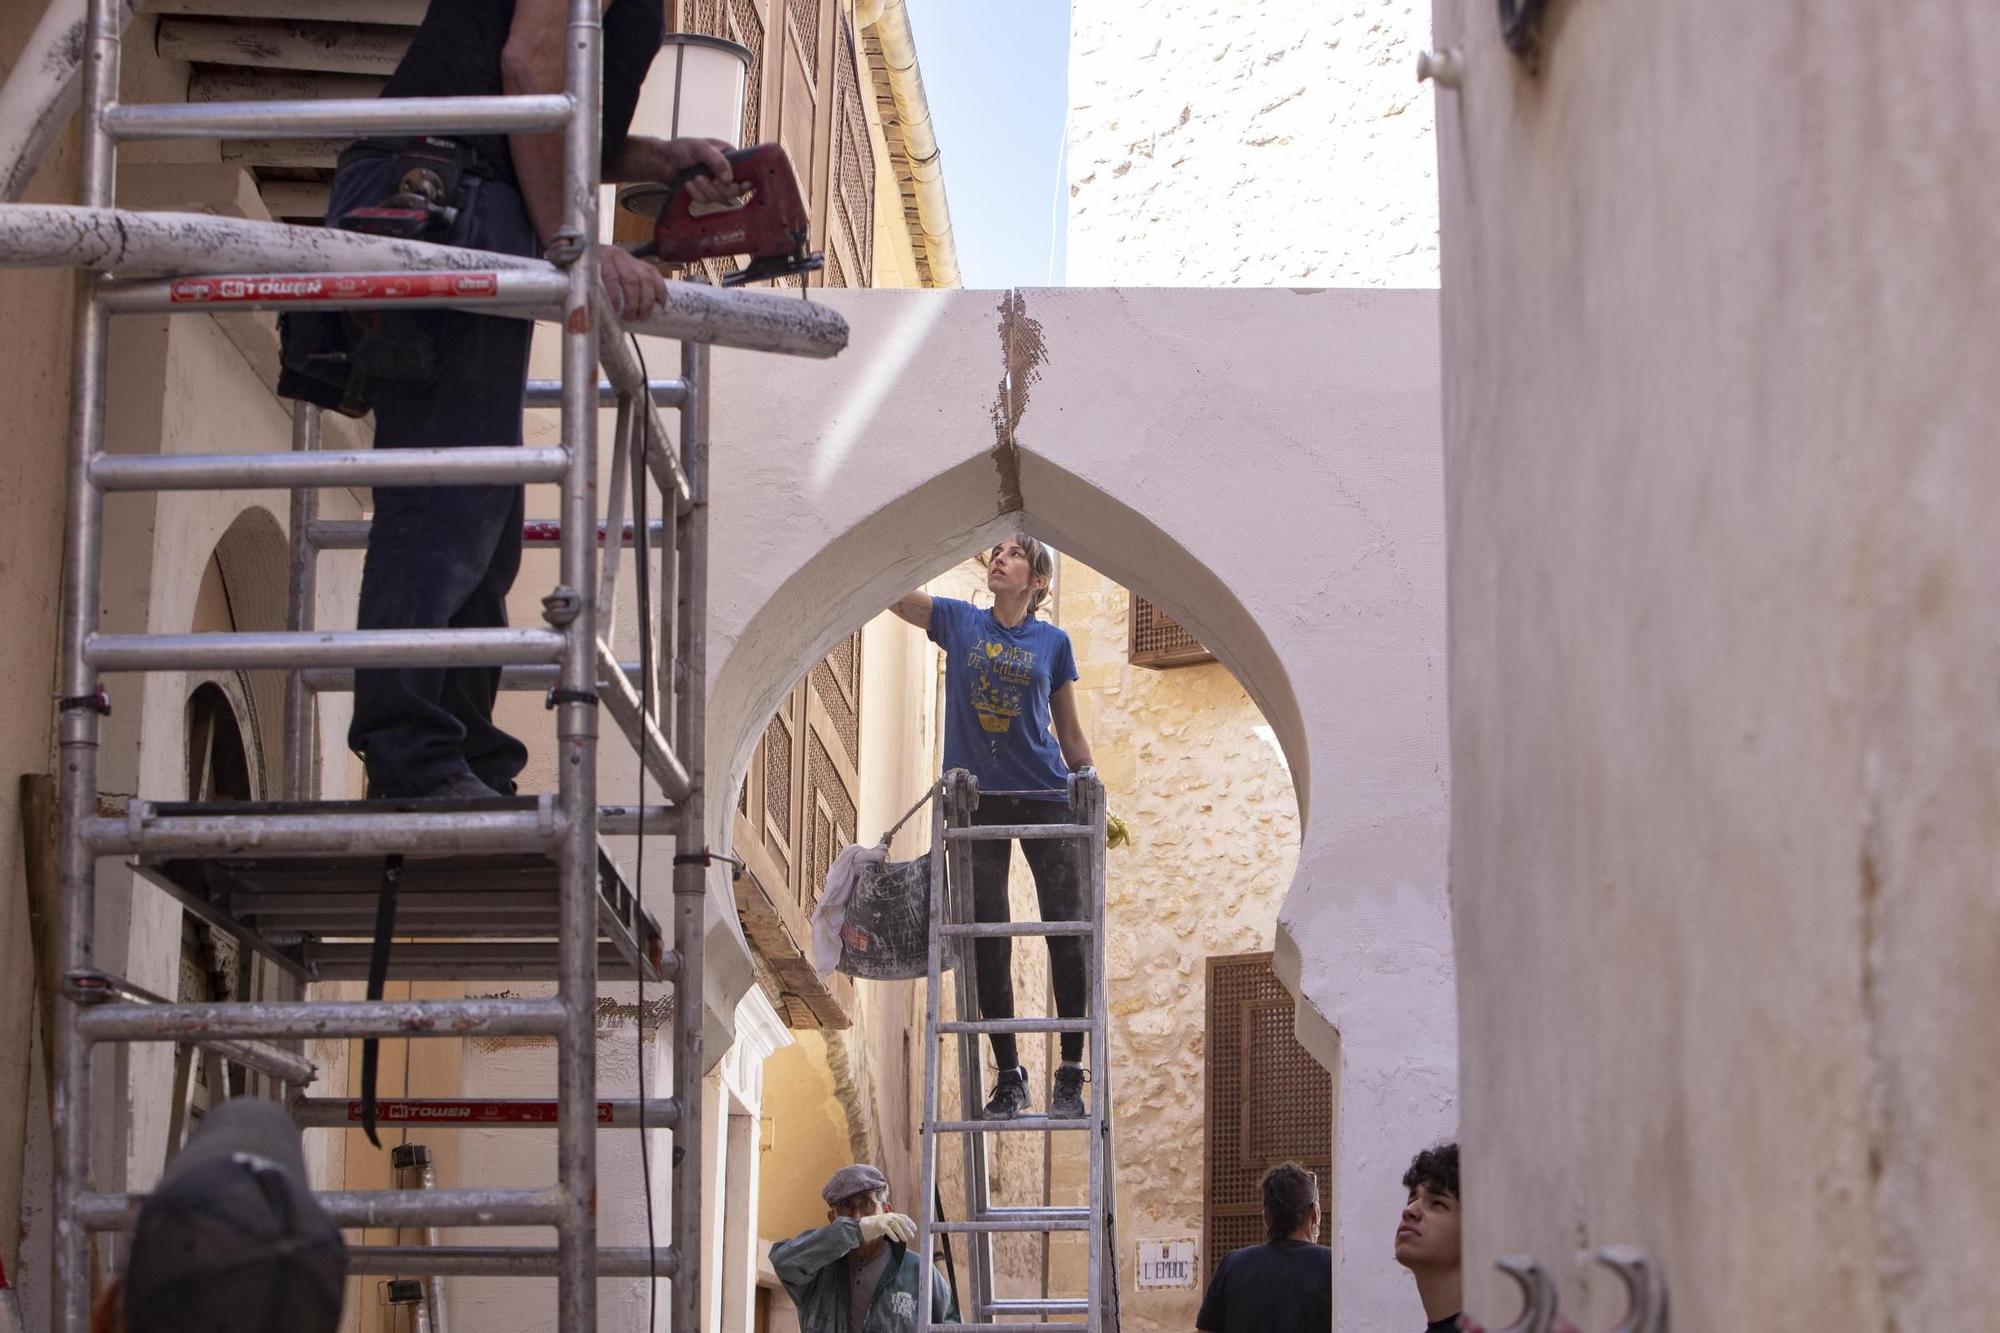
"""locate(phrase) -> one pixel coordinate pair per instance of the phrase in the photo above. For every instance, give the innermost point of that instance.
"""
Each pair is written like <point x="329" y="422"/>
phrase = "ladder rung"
<point x="994" y="832"/>
<point x="483" y="831"/>
<point x="521" y="679"/>
<point x="476" y="465"/>
<point x="303" y="648"/>
<point x="323" y="1018"/>
<point x="1080" y="1221"/>
<point x="500" y="1260"/>
<point x="1020" y="1124"/>
<point x="373" y="1208"/>
<point x="1054" y="1305"/>
<point x="337" y="117"/>
<point x="93" y="986"/>
<point x="1018" y="1025"/>
<point x="612" y="1113"/>
<point x="991" y="929"/>
<point x="489" y="960"/>
<point x="666" y="393"/>
<point x="351" y="534"/>
<point x="1033" y="1213"/>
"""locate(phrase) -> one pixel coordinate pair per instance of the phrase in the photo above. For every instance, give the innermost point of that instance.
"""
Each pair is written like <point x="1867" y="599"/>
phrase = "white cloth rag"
<point x="830" y="913"/>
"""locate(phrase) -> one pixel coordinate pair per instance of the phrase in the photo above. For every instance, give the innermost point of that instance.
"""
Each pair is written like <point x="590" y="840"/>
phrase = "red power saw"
<point x="767" y="219"/>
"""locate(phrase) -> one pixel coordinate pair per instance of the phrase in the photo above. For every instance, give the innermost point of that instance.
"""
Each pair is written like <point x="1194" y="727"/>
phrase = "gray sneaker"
<point x="1010" y="1095"/>
<point x="1066" y="1103"/>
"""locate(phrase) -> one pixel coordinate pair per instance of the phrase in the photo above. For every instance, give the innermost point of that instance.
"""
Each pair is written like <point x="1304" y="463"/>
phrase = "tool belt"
<point x="433" y="192"/>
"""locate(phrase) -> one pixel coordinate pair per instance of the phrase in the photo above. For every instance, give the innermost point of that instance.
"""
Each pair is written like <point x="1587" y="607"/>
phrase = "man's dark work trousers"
<point x="1058" y="869"/>
<point x="443" y="556"/>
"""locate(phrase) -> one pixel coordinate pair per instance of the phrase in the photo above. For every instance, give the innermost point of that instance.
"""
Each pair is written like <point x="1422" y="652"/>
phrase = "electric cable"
<point x="643" y="587"/>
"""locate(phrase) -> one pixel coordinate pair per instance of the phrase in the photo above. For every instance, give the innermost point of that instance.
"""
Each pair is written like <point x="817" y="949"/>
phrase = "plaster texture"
<point x="1723" y="591"/>
<point x="1264" y="465"/>
<point x="1282" y="142"/>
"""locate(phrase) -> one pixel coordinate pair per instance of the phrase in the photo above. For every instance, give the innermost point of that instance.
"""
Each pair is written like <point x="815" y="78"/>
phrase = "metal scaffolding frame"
<point x="952" y="920"/>
<point x="124" y="256"/>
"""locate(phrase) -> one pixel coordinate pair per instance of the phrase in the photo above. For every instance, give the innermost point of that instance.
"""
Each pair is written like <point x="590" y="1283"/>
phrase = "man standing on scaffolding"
<point x="1011" y="720"/>
<point x="446" y="556"/>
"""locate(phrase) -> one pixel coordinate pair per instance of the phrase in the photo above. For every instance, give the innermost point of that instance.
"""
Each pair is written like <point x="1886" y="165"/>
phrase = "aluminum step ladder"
<point x="951" y="921"/>
<point x="286" y="877"/>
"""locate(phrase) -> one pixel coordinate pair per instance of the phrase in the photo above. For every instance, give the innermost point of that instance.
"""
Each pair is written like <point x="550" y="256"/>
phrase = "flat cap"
<point x="849" y="1181"/>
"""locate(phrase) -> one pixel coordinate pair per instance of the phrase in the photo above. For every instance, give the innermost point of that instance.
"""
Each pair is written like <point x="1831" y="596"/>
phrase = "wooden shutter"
<point x="850" y="238"/>
<point x="1268" y="1102"/>
<point x="1159" y="641"/>
<point x="798" y="808"/>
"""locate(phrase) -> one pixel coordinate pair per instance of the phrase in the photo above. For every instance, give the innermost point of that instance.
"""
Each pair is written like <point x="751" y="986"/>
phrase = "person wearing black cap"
<point x="232" y="1240"/>
<point x="856" y="1274"/>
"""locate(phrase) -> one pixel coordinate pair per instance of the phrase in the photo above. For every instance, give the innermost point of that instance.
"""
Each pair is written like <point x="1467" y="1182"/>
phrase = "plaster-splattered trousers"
<point x="1057" y="865"/>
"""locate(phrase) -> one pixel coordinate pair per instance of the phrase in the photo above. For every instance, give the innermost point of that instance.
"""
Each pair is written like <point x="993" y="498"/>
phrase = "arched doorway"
<point x="1265" y="466"/>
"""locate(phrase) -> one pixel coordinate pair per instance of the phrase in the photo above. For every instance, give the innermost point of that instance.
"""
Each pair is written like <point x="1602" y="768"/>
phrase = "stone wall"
<point x="1285" y="142"/>
<point x="1215" y="839"/>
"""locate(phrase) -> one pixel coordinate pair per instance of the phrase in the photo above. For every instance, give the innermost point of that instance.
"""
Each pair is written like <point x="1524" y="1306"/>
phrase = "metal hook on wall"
<point x="1538" y="1294"/>
<point x="1645" y="1287"/>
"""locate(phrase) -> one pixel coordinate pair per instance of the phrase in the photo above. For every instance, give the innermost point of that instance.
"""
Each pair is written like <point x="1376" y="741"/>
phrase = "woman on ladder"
<point x="1010" y="720"/>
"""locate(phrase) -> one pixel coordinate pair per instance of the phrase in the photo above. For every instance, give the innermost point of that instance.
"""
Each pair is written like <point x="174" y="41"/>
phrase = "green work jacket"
<point x="814" y="1268"/>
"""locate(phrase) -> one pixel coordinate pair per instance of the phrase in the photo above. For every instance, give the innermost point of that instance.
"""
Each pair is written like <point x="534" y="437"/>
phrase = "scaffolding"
<point x="294" y="879"/>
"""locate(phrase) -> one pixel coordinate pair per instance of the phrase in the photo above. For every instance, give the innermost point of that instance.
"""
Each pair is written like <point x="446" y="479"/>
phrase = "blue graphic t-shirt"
<point x="997" y="684"/>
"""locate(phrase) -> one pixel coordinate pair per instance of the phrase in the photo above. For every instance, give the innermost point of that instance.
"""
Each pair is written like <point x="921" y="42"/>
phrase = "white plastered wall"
<point x="1262" y="464"/>
<point x="1719" y="415"/>
<point x="1221" y="144"/>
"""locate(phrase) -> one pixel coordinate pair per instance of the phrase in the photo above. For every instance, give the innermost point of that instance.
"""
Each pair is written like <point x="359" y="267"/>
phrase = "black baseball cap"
<point x="232" y="1240"/>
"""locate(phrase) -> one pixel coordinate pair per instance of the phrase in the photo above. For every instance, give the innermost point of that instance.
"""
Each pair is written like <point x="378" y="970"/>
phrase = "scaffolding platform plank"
<point x="468" y="916"/>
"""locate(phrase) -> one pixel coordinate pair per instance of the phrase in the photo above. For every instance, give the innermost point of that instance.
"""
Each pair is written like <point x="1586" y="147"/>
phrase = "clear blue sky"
<point x="997" y="76"/>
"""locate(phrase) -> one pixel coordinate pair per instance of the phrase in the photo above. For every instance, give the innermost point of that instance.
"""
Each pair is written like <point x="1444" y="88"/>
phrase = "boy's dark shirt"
<point x="456" y="53"/>
<point x="1448" y="1324"/>
<point x="1282" y="1286"/>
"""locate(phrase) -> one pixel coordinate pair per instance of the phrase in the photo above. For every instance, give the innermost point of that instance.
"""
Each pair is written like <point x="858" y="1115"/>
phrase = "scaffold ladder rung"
<point x="502" y="1261"/>
<point x="375" y="1208"/>
<point x="506" y="1113"/>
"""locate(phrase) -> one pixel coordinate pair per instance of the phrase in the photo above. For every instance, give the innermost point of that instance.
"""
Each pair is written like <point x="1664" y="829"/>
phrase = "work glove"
<point x="889" y="1226"/>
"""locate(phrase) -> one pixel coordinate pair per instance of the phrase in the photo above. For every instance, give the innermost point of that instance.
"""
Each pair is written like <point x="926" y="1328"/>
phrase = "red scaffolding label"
<point x="467" y="1113"/>
<point x="331" y="287"/>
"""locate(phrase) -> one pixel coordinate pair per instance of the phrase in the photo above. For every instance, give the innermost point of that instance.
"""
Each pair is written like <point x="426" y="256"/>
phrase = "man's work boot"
<point x="1010" y="1095"/>
<point x="1066" y="1103"/>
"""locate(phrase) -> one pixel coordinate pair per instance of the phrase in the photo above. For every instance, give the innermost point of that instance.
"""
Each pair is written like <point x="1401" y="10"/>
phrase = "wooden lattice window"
<point x="798" y="808"/>
<point x="746" y="26"/>
<point x="853" y="168"/>
<point x="1268" y="1101"/>
<point x="1159" y="641"/>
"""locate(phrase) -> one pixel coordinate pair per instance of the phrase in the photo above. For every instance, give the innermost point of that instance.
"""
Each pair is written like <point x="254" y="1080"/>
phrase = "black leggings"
<point x="1058" y="870"/>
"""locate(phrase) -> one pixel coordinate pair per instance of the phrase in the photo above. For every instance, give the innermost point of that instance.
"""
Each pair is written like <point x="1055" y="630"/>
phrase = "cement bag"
<point x="830" y="912"/>
<point x="886" y="934"/>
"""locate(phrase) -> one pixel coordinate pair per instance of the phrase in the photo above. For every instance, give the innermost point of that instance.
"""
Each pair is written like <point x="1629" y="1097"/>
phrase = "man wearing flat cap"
<point x="856" y="1274"/>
